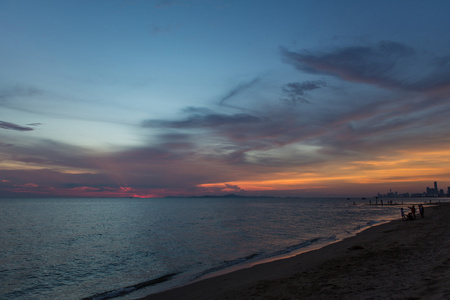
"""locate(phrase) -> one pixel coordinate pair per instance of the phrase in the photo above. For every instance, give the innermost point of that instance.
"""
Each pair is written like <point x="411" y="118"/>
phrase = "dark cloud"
<point x="355" y="63"/>
<point x="12" y="126"/>
<point x="390" y="65"/>
<point x="197" y="110"/>
<point x="296" y="92"/>
<point x="205" y="121"/>
<point x="229" y="138"/>
<point x="234" y="188"/>
<point x="221" y="189"/>
<point x="375" y="64"/>
<point x="238" y="89"/>
<point x="219" y="137"/>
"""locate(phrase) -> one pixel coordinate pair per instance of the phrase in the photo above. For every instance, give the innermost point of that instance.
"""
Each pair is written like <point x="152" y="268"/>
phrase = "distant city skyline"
<point x="435" y="191"/>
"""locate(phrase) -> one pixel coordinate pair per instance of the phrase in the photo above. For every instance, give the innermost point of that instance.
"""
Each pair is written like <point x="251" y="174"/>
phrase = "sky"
<point x="130" y="98"/>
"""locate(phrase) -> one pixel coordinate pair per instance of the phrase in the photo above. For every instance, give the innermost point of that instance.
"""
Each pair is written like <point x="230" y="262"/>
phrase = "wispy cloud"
<point x="10" y="94"/>
<point x="296" y="92"/>
<point x="12" y="126"/>
<point x="237" y="90"/>
<point x="211" y="121"/>
<point x="386" y="64"/>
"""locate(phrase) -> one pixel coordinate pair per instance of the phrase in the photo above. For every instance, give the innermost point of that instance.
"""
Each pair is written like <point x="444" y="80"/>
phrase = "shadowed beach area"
<point x="396" y="260"/>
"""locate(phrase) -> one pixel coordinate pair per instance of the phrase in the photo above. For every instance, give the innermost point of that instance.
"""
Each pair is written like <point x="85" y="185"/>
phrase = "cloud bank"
<point x="380" y="112"/>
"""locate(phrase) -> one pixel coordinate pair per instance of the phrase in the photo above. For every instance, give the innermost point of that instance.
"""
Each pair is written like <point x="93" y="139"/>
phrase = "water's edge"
<point x="248" y="262"/>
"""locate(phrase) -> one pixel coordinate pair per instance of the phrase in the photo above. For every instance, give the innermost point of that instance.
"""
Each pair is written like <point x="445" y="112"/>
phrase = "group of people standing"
<point x="412" y="215"/>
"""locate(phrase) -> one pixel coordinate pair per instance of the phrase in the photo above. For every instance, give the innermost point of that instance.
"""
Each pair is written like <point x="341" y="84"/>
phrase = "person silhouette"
<point x="421" y="211"/>
<point x="403" y="214"/>
<point x="413" y="211"/>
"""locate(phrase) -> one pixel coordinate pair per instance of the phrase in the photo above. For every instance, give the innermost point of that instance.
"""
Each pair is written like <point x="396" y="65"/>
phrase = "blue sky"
<point x="156" y="98"/>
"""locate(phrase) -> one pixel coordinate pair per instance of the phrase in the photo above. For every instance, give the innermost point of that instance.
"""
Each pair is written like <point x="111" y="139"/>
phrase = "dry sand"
<point x="397" y="260"/>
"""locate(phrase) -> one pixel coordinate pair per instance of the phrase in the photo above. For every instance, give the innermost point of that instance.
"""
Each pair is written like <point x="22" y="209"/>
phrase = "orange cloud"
<point x="406" y="166"/>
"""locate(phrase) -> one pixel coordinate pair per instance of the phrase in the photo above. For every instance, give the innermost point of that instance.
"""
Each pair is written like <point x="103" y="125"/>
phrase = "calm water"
<point x="77" y="248"/>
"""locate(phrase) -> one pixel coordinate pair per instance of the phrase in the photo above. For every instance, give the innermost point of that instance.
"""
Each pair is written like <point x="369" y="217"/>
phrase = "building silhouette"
<point x="430" y="192"/>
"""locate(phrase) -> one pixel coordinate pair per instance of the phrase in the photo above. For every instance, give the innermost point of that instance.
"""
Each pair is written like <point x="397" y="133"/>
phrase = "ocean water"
<point x="124" y="248"/>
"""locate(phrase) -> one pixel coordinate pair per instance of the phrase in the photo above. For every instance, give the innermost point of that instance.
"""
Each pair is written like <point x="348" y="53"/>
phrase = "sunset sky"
<point x="173" y="98"/>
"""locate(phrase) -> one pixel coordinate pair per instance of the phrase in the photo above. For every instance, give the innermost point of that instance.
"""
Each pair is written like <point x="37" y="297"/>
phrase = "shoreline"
<point x="311" y="247"/>
<point x="401" y="258"/>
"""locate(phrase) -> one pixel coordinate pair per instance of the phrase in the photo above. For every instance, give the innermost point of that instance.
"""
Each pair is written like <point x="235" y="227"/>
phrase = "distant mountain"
<point x="221" y="196"/>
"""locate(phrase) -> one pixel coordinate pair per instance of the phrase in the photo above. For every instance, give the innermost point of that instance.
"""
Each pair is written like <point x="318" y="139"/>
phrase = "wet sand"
<point x="397" y="260"/>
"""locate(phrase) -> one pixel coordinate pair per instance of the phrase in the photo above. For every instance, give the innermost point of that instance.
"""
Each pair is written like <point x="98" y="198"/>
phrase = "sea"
<point x="126" y="248"/>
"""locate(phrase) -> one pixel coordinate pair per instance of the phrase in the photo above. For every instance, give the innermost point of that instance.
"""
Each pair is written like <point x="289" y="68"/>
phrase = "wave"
<point x="222" y="266"/>
<point x="301" y="245"/>
<point x="255" y="257"/>
<point x="129" y="289"/>
<point x="367" y="225"/>
<point x="227" y="264"/>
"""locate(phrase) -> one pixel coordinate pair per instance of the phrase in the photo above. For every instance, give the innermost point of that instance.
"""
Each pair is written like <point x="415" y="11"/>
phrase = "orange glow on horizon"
<point x="405" y="167"/>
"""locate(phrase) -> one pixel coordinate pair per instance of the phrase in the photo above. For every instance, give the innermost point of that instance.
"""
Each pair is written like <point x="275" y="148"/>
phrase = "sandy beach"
<point x="397" y="260"/>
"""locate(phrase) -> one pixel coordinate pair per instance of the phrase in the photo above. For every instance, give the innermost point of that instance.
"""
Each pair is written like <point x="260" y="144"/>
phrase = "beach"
<point x="396" y="260"/>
